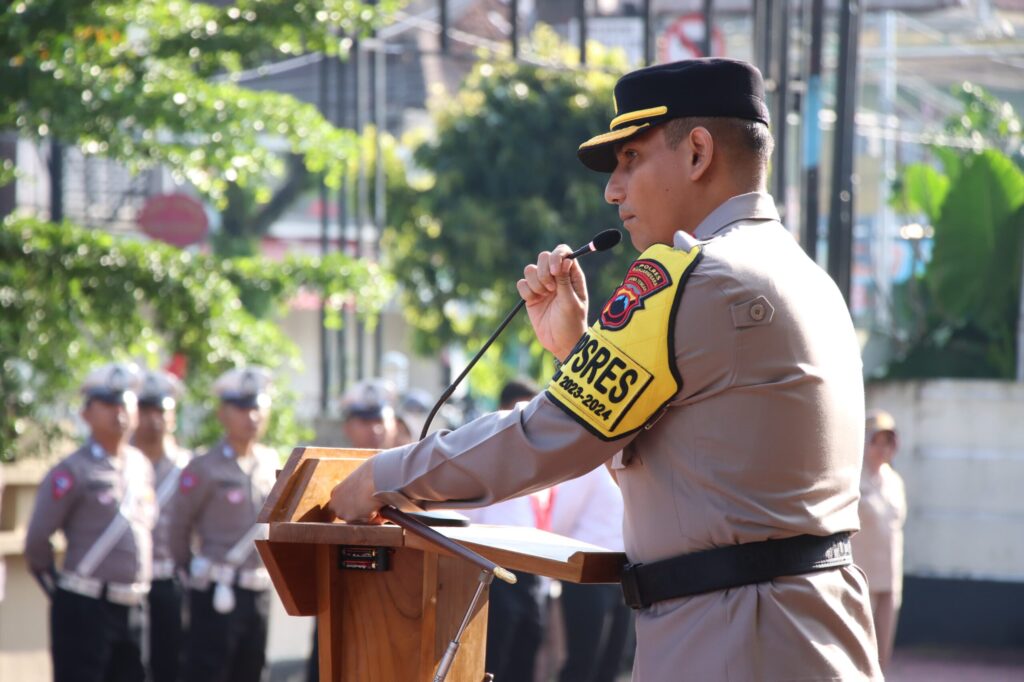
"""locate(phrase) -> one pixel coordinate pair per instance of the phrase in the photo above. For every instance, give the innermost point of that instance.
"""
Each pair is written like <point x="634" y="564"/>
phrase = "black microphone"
<point x="602" y="242"/>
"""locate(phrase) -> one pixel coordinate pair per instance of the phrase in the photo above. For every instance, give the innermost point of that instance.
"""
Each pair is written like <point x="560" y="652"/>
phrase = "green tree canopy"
<point x="503" y="183"/>
<point x="72" y="298"/>
<point x="150" y="82"/>
<point x="965" y="305"/>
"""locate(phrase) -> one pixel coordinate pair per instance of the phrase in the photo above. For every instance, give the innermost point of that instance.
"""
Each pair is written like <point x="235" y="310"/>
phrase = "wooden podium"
<point x="388" y="602"/>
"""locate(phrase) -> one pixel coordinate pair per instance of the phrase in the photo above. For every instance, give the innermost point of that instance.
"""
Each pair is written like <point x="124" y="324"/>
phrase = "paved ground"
<point x="908" y="665"/>
<point x="937" y="665"/>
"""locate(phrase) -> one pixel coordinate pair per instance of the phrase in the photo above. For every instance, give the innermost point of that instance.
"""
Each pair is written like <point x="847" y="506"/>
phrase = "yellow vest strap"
<point x="622" y="371"/>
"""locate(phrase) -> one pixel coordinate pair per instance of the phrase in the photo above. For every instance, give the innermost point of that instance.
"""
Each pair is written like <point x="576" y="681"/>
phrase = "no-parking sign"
<point x="684" y="39"/>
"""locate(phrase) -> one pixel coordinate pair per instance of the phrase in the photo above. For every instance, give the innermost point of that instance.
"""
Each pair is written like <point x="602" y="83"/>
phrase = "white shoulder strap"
<point x="167" y="488"/>
<point x="240" y="550"/>
<point x="111" y="534"/>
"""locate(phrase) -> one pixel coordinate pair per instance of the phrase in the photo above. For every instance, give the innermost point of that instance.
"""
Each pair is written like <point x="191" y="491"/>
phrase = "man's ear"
<point x="702" y="152"/>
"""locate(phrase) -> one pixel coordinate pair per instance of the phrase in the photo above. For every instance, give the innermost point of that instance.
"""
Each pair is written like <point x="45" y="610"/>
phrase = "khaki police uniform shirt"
<point x="167" y="472"/>
<point x="80" y="496"/>
<point x="764" y="440"/>
<point x="219" y="498"/>
<point x="878" y="547"/>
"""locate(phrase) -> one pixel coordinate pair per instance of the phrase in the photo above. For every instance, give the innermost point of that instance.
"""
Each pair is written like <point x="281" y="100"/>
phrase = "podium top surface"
<point x="296" y="512"/>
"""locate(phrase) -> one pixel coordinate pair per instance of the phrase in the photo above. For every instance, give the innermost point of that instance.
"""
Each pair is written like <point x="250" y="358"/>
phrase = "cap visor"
<point x="248" y="402"/>
<point x="112" y="397"/>
<point x="164" y="403"/>
<point x="598" y="153"/>
<point x="365" y="413"/>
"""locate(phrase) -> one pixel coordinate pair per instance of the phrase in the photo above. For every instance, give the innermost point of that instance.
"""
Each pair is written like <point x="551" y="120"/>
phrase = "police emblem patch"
<point x="622" y="371"/>
<point x="62" y="484"/>
<point x="187" y="482"/>
<point x="644" y="279"/>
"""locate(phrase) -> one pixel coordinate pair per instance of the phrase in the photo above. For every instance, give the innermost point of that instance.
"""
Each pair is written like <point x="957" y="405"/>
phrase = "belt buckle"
<point x="631" y="587"/>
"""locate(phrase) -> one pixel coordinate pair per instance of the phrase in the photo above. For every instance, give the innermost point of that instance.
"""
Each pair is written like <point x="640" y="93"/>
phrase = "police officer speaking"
<point x="724" y="367"/>
<point x="220" y="494"/>
<point x="158" y="395"/>
<point x="101" y="496"/>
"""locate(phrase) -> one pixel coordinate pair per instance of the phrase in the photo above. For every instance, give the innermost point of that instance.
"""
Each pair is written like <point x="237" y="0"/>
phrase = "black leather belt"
<point x="732" y="566"/>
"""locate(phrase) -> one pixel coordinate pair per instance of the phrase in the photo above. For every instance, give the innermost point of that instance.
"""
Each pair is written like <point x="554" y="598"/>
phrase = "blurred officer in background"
<point x="158" y="396"/>
<point x="878" y="547"/>
<point x="596" y="619"/>
<point x="368" y="414"/>
<point x="220" y="494"/>
<point x="102" y="498"/>
<point x="368" y="421"/>
<point x="516" y="613"/>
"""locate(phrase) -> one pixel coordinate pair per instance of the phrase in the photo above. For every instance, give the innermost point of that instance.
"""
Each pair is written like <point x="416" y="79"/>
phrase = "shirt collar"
<point x="96" y="450"/>
<point x="750" y="206"/>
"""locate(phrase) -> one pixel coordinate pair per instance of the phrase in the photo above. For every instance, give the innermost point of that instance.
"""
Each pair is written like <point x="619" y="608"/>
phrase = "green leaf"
<point x="922" y="190"/>
<point x="975" y="269"/>
<point x="72" y="298"/>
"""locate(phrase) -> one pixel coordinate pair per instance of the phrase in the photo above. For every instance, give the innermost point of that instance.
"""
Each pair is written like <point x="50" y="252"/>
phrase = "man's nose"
<point x="613" y="191"/>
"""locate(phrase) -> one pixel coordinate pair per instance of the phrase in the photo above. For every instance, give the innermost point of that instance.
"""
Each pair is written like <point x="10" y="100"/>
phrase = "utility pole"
<point x="581" y="6"/>
<point x="56" y="164"/>
<point x="443" y="9"/>
<point x="841" y="217"/>
<point x="325" y="362"/>
<point x="780" y="49"/>
<point x="344" y="223"/>
<point x="8" y="192"/>
<point x="812" y="133"/>
<point x="513" y="10"/>
<point x="380" y="57"/>
<point x="648" y="38"/>
<point x="362" y="188"/>
<point x="709" y="24"/>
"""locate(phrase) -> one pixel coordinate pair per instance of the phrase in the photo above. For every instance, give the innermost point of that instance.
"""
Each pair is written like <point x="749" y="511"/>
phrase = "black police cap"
<point x="709" y="87"/>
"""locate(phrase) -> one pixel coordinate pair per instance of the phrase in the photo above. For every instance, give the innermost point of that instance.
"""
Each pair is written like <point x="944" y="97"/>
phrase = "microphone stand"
<point x="451" y="388"/>
<point x="602" y="242"/>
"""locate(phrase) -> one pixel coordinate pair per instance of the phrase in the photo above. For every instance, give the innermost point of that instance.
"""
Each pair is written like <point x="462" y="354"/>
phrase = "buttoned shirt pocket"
<point x="752" y="313"/>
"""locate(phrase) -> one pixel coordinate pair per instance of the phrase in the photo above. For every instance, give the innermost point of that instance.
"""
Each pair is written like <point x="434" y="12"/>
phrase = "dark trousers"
<point x="93" y="640"/>
<point x="165" y="633"/>
<point x="313" y="664"/>
<point x="514" y="629"/>
<point x="226" y="647"/>
<point x="596" y="627"/>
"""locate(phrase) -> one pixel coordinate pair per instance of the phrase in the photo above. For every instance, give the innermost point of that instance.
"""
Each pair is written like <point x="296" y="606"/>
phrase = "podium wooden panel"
<point x="394" y="625"/>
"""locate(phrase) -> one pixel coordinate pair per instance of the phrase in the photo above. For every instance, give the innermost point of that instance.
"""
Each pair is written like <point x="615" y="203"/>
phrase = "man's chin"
<point x="638" y="244"/>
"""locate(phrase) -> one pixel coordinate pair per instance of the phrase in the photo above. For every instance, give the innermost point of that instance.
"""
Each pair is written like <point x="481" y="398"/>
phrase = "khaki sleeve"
<point x="55" y="498"/>
<point x="495" y="457"/>
<point x="705" y="339"/>
<point x="183" y="510"/>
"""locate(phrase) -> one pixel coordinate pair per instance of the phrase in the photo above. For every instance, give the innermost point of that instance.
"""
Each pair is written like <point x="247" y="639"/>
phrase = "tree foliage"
<point x="72" y="298"/>
<point x="967" y="300"/>
<point x="151" y="82"/>
<point x="502" y="183"/>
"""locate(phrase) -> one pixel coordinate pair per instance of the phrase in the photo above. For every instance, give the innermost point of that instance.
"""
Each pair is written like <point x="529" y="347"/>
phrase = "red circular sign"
<point x="684" y="39"/>
<point x="177" y="219"/>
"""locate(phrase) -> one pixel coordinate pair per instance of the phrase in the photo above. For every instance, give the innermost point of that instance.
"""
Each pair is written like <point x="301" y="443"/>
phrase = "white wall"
<point x="961" y="455"/>
<point x="303" y="328"/>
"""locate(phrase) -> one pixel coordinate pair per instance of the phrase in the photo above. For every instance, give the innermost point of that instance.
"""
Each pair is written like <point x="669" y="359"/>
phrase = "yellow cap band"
<point x="640" y="113"/>
<point x="614" y="135"/>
